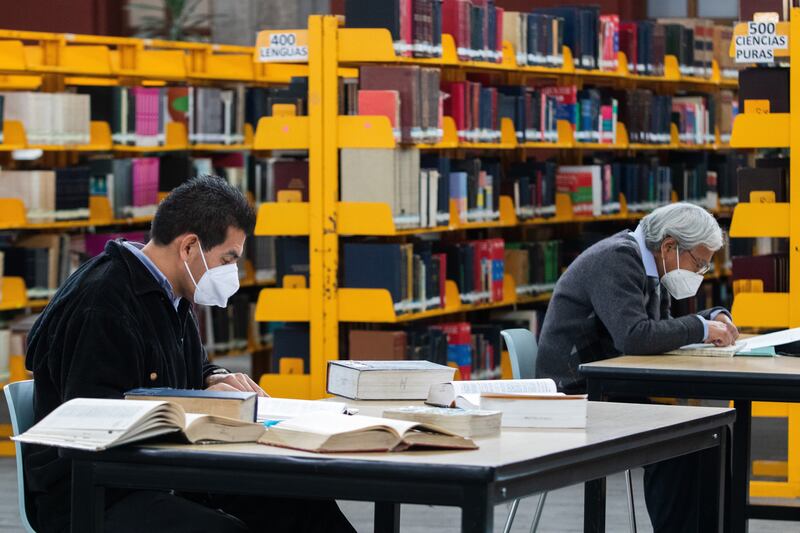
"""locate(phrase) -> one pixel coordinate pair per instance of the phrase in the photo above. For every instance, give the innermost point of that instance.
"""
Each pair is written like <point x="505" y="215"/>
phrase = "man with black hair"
<point x="124" y="320"/>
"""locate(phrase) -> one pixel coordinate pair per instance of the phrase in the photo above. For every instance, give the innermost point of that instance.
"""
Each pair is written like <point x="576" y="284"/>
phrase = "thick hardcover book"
<point x="237" y="405"/>
<point x="385" y="380"/>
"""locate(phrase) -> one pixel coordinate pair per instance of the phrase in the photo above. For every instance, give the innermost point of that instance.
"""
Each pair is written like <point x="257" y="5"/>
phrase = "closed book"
<point x="767" y="268"/>
<point x="291" y="258"/>
<point x="230" y="404"/>
<point x="772" y="180"/>
<point x="359" y="272"/>
<point x="444" y="394"/>
<point x="467" y="423"/>
<point x="291" y="175"/>
<point x="366" y="345"/>
<point x="765" y="83"/>
<point x="327" y="432"/>
<point x="381" y="103"/>
<point x="385" y="380"/>
<point x="748" y="8"/>
<point x="291" y="342"/>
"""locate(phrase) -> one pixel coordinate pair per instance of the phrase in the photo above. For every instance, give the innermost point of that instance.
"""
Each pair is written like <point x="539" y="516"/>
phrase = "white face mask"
<point x="680" y="283"/>
<point x="216" y="285"/>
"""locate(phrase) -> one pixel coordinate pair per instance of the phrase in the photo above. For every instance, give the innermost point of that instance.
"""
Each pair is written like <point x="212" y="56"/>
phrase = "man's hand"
<point x="725" y="319"/>
<point x="233" y="382"/>
<point x="719" y="334"/>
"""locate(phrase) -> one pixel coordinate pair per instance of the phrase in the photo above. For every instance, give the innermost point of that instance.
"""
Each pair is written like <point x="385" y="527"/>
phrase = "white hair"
<point x="688" y="224"/>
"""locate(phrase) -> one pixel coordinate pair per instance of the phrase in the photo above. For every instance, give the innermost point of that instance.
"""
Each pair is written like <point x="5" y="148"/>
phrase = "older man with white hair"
<point x="615" y="299"/>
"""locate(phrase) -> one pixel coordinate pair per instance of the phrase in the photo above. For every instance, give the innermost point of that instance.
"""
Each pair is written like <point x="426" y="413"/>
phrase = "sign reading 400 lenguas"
<point x="760" y="43"/>
<point x="283" y="46"/>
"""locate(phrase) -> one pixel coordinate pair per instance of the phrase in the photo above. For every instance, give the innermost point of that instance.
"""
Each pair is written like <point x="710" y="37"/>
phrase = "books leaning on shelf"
<point x="385" y="380"/>
<point x="57" y="119"/>
<point x="531" y="410"/>
<point x="328" y="433"/>
<point x="230" y="404"/>
<point x="445" y="394"/>
<point x="467" y="423"/>
<point x="98" y="424"/>
<point x="759" y="345"/>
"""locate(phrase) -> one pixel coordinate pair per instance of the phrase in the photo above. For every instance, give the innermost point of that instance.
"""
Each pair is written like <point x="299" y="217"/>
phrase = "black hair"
<point x="206" y="206"/>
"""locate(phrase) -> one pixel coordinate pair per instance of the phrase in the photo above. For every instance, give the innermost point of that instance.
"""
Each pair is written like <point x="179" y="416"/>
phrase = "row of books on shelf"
<point x="45" y="261"/>
<point x="232" y="328"/>
<point x="138" y="116"/>
<point x="422" y="189"/>
<point x="415" y="103"/>
<point x="133" y="185"/>
<point x="479" y="29"/>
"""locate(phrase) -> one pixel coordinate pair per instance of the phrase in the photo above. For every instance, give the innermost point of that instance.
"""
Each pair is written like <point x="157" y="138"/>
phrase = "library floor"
<point x="563" y="512"/>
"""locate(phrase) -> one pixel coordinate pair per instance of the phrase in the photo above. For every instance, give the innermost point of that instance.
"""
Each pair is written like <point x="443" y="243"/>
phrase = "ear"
<point x="185" y="245"/>
<point x="669" y="244"/>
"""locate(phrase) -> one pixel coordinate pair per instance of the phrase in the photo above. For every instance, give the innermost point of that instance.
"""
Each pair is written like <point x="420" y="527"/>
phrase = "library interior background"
<point x="421" y="175"/>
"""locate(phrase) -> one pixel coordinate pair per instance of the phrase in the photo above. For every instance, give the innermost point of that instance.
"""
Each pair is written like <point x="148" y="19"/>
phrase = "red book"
<point x="455" y="106"/>
<point x="459" y="349"/>
<point x="178" y="104"/>
<point x="629" y="44"/>
<point x="381" y="103"/>
<point x="406" y="25"/>
<point x="497" y="250"/>
<point x="291" y="175"/>
<point x="441" y="260"/>
<point x="456" y="22"/>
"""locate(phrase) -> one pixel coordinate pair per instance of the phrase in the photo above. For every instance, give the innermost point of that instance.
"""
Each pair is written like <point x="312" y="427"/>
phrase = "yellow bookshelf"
<point x="763" y="217"/>
<point x="323" y="218"/>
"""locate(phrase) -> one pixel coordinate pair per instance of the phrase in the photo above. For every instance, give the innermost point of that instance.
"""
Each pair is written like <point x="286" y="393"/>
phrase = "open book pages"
<point x="757" y="345"/>
<point x="97" y="424"/>
<point x="326" y="432"/>
<point x="272" y="409"/>
<point x="445" y="394"/>
<point x="531" y="410"/>
<point x="472" y="423"/>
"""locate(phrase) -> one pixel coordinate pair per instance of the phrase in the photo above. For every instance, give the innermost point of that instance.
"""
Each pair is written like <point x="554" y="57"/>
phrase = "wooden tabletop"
<point x="607" y="423"/>
<point x="783" y="367"/>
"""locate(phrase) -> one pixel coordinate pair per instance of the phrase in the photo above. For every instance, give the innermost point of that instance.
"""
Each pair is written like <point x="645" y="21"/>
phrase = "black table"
<point x="518" y="463"/>
<point x="741" y="379"/>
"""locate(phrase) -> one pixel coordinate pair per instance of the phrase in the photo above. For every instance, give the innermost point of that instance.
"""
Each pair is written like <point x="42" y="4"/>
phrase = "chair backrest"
<point x="522" y="351"/>
<point x="19" y="396"/>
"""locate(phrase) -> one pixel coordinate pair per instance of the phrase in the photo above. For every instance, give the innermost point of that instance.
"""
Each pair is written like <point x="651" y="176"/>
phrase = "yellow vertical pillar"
<point x="794" y="186"/>
<point x="316" y="186"/>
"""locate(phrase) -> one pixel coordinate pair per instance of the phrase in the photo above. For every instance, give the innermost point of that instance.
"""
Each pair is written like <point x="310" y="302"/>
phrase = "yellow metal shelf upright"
<point x="762" y="217"/>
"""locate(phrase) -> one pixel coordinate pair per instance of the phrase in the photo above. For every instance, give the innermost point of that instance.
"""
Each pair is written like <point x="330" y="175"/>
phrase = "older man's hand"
<point x="725" y="319"/>
<point x="233" y="382"/>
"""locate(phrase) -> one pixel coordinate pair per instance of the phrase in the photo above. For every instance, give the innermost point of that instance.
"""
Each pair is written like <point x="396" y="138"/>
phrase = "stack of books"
<point x="49" y="195"/>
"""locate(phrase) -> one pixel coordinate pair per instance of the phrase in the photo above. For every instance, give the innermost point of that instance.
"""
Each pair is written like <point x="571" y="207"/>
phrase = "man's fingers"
<point x="222" y="386"/>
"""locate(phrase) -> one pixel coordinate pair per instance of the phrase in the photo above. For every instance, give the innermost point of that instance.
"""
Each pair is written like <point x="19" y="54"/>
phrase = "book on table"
<point x="444" y="394"/>
<point x="759" y="345"/>
<point x="385" y="380"/>
<point x="530" y="409"/>
<point x="467" y="423"/>
<point x="96" y="424"/>
<point x="230" y="404"/>
<point x="327" y="432"/>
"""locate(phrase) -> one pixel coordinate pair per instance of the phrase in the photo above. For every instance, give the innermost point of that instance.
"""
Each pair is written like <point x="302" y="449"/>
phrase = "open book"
<point x="326" y="432"/>
<point x="530" y="409"/>
<point x="758" y="345"/>
<point x="445" y="394"/>
<point x="97" y="424"/>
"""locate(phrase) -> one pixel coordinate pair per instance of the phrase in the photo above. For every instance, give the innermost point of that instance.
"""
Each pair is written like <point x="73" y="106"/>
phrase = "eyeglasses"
<point x="702" y="266"/>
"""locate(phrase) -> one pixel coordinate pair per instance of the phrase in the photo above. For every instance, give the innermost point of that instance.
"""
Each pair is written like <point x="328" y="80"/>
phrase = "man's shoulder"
<point x="102" y="282"/>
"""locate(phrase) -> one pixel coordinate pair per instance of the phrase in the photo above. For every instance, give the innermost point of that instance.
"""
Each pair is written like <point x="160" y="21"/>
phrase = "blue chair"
<point x="523" y="351"/>
<point x="19" y="396"/>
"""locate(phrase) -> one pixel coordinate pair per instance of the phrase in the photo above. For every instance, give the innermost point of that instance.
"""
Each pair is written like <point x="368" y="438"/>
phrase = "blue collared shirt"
<point x="650" y="268"/>
<point x="136" y="249"/>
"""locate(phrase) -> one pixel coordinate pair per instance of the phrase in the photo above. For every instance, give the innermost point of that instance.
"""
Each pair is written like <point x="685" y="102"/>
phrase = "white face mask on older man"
<point x="680" y="283"/>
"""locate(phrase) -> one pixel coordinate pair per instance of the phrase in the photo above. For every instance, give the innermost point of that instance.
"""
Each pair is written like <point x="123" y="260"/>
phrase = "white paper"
<point x="504" y="385"/>
<point x="773" y="339"/>
<point x="283" y="409"/>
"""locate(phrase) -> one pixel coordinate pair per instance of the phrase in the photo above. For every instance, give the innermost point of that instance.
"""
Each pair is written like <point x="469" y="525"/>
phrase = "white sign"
<point x="282" y="46"/>
<point x="760" y="43"/>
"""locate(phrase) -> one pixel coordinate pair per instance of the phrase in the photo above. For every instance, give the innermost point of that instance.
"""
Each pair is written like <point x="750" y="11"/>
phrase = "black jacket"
<point x="109" y="328"/>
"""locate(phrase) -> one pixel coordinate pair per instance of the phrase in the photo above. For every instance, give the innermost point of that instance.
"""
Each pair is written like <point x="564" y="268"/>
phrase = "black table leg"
<point x="712" y="484"/>
<point x="477" y="512"/>
<point x="740" y="476"/>
<point x="88" y="500"/>
<point x="387" y="517"/>
<point x="594" y="506"/>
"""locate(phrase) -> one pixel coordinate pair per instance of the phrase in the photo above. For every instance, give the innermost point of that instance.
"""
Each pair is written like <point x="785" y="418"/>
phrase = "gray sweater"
<point x="605" y="305"/>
